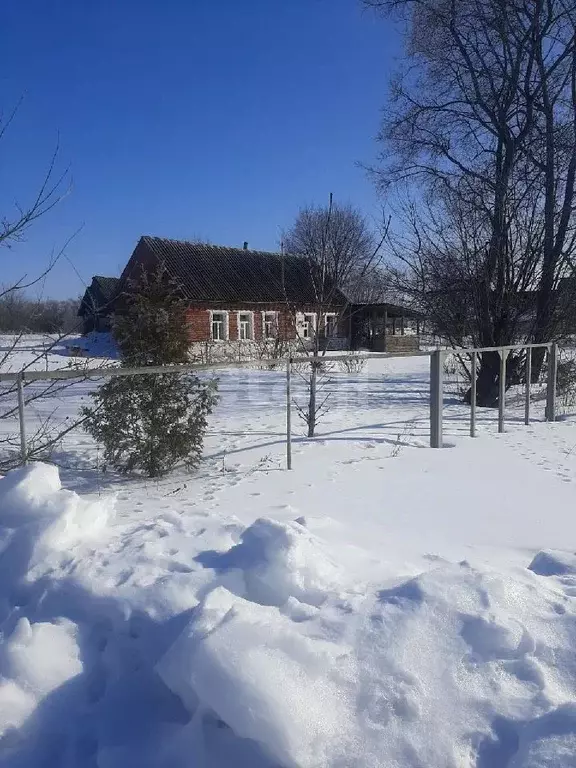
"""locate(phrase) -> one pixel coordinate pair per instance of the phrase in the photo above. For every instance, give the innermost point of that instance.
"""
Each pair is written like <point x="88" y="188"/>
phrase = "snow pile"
<point x="39" y="521"/>
<point x="277" y="561"/>
<point x="34" y="661"/>
<point x="30" y="645"/>
<point x="287" y="660"/>
<point x="35" y="508"/>
<point x="554" y="563"/>
<point x="459" y="666"/>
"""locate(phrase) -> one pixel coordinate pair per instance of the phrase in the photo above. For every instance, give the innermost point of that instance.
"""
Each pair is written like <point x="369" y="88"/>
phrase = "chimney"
<point x="245" y="247"/>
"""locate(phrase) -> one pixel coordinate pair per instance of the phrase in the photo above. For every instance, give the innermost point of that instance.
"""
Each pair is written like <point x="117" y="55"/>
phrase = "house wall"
<point x="396" y="344"/>
<point x="96" y="323"/>
<point x="205" y="350"/>
<point x="198" y="320"/>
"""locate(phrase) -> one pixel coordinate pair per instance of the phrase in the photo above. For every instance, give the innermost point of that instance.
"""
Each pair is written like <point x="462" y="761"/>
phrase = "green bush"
<point x="151" y="422"/>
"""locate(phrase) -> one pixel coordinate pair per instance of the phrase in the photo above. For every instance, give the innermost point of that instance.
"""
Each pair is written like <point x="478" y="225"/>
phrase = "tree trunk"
<point x="487" y="381"/>
<point x="538" y="358"/>
<point x="489" y="377"/>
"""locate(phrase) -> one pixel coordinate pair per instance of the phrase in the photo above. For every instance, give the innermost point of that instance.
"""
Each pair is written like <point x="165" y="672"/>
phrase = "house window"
<point x="270" y="325"/>
<point x="308" y="326"/>
<point x="331" y="326"/>
<point x="245" y="326"/>
<point x="219" y="326"/>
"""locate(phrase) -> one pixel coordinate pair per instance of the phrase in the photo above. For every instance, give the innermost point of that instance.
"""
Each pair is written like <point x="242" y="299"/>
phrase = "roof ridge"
<point x="208" y="245"/>
<point x="105" y="277"/>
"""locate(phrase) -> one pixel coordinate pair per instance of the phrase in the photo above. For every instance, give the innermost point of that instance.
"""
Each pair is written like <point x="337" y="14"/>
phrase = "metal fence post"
<point x="23" y="444"/>
<point x="288" y="414"/>
<point x="502" y="389"/>
<point x="551" y="383"/>
<point x="436" y="397"/>
<point x="473" y="374"/>
<point x="528" y="385"/>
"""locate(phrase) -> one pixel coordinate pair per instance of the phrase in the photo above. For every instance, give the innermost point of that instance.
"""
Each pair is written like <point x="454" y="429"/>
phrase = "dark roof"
<point x="99" y="295"/>
<point x="108" y="286"/>
<point x="392" y="310"/>
<point x="214" y="273"/>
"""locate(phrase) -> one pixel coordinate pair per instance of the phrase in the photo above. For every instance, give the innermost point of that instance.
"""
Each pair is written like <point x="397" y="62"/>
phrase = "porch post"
<point x="385" y="330"/>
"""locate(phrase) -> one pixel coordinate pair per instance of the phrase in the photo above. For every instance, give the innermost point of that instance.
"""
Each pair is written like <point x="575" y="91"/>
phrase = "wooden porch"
<point x="385" y="328"/>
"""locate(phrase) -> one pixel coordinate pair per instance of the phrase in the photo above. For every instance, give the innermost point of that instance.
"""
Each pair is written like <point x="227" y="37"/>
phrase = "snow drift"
<point x="457" y="667"/>
<point x="284" y="662"/>
<point x="39" y="522"/>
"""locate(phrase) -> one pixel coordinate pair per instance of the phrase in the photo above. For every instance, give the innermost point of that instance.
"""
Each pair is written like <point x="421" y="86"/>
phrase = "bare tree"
<point x="19" y="313"/>
<point x="342" y="253"/>
<point x="340" y="246"/>
<point x="15" y="223"/>
<point x="483" y="130"/>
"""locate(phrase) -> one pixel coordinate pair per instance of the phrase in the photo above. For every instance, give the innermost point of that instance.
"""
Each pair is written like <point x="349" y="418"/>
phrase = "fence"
<point x="437" y="357"/>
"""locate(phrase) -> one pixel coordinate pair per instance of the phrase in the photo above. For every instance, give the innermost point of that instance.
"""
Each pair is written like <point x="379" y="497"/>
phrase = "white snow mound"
<point x="34" y="506"/>
<point x="42" y="656"/>
<point x="277" y="561"/>
<point x="28" y="493"/>
<point x="285" y="658"/>
<point x="552" y="562"/>
<point x="459" y="667"/>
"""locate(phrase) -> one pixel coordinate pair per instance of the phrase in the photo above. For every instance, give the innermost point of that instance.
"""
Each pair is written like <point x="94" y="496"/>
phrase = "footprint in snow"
<point x="393" y="699"/>
<point x="489" y="640"/>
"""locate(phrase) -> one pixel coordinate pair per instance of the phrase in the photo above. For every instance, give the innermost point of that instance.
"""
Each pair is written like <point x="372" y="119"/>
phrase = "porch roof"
<point x="392" y="310"/>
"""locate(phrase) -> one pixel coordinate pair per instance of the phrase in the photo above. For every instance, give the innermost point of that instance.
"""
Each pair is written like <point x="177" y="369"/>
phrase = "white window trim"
<point x="300" y="324"/>
<point x="226" y="314"/>
<point x="277" y="334"/>
<point x="251" y="314"/>
<point x="335" y="316"/>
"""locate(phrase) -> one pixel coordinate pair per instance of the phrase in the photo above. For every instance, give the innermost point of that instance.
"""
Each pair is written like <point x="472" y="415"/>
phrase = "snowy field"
<point x="383" y="604"/>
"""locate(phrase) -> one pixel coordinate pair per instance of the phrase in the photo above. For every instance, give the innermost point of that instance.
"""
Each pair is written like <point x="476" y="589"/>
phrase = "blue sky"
<point x="212" y="119"/>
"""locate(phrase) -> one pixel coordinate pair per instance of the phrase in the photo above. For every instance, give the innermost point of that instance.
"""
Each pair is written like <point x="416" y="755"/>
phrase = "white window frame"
<point x="307" y="325"/>
<point x="250" y="325"/>
<point x="275" y="333"/>
<point x="334" y="317"/>
<point x="225" y="325"/>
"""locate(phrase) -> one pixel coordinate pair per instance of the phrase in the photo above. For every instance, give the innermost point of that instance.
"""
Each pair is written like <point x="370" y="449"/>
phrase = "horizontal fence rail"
<point x="509" y="348"/>
<point x="437" y="359"/>
<point x="109" y="371"/>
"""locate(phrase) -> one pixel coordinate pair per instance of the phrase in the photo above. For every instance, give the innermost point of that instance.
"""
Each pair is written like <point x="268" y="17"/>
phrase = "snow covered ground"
<point x="383" y="604"/>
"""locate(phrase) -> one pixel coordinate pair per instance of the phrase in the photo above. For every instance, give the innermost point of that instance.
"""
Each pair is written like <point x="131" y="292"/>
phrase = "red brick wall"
<point x="286" y="325"/>
<point x="198" y="319"/>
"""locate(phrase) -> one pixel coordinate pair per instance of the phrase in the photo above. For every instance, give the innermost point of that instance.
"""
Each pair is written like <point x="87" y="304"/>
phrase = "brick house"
<point x="245" y="303"/>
